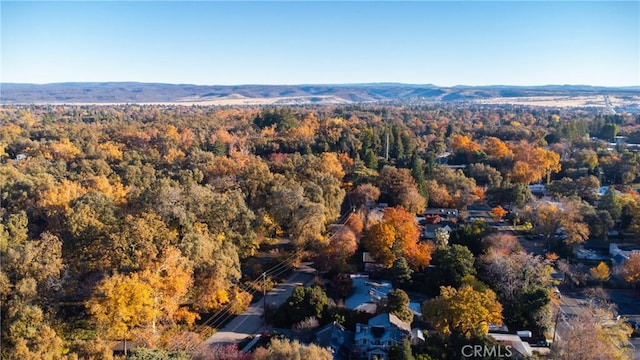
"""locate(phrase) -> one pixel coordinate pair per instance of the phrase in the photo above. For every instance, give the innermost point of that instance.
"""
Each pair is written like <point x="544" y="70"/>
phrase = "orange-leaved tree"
<point x="395" y="236"/>
<point x="463" y="143"/>
<point x="496" y="148"/>
<point x="499" y="212"/>
<point x="532" y="163"/>
<point x="631" y="268"/>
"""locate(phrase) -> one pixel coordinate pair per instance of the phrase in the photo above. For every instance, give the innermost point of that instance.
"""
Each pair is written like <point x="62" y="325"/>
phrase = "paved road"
<point x="635" y="341"/>
<point x="250" y="322"/>
<point x="572" y="303"/>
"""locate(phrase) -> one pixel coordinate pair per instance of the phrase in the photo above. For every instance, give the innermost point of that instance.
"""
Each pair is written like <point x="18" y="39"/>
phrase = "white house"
<point x="379" y="335"/>
<point x="619" y="256"/>
<point x="517" y="347"/>
<point x="337" y="338"/>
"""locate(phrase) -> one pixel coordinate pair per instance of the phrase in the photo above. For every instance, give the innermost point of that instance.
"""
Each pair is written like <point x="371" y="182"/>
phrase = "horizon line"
<point x="312" y="84"/>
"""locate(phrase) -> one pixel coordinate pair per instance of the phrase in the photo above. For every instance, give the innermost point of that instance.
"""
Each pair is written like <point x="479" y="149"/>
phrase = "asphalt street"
<point x="251" y="322"/>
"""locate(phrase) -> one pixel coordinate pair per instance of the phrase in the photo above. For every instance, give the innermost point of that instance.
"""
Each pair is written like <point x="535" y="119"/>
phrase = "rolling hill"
<point x="132" y="92"/>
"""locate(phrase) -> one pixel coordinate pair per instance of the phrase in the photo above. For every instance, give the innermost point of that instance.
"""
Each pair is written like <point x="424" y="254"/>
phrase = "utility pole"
<point x="385" y="118"/>
<point x="386" y="151"/>
<point x="555" y="326"/>
<point x="264" y="296"/>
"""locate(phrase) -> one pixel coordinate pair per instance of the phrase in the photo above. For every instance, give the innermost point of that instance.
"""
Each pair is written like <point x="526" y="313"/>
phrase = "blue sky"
<point x="205" y="42"/>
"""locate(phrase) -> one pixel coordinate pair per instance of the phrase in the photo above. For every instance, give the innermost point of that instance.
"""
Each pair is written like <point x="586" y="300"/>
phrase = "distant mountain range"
<point x="132" y="92"/>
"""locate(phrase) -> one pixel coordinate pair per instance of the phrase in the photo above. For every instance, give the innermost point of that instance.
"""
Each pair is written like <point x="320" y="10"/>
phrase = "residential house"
<point x="442" y="212"/>
<point x="429" y="230"/>
<point x="382" y="332"/>
<point x="335" y="337"/>
<point x="619" y="256"/>
<point x="518" y="349"/>
<point x="370" y="264"/>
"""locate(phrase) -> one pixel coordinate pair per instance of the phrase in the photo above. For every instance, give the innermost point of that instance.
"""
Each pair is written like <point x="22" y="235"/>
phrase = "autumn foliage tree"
<point x="496" y="148"/>
<point x="31" y="268"/>
<point x="595" y="334"/>
<point x="463" y="143"/>
<point x="550" y="219"/>
<point x="286" y="349"/>
<point x="466" y="310"/>
<point x="498" y="212"/>
<point x="532" y="163"/>
<point x="631" y="268"/>
<point x="398" y="187"/>
<point x="171" y="278"/>
<point x="341" y="246"/>
<point x="501" y="242"/>
<point x="395" y="236"/>
<point x="365" y="194"/>
<point x="451" y="188"/>
<point x="122" y="304"/>
<point x="600" y="272"/>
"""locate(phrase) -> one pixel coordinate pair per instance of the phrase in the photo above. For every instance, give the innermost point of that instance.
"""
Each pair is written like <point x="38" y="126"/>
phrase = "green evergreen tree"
<point x="401" y="273"/>
<point x="398" y="305"/>
<point x="370" y="159"/>
<point x="610" y="202"/>
<point x="401" y="352"/>
<point x="397" y="149"/>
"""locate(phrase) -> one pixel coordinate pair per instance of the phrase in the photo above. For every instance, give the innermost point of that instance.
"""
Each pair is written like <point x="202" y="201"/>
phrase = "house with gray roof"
<point x="335" y="337"/>
<point x="382" y="332"/>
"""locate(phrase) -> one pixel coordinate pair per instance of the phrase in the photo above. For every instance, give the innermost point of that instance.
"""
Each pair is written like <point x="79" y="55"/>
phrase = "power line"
<point x="252" y="287"/>
<point x="248" y="288"/>
<point x="223" y="314"/>
<point x="227" y="314"/>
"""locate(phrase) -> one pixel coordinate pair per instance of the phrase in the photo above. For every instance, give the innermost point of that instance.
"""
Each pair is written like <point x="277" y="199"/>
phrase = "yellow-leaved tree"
<point x="379" y="242"/>
<point x="110" y="151"/>
<point x="533" y="163"/>
<point x="57" y="197"/>
<point x="112" y="189"/>
<point x="496" y="148"/>
<point x="332" y="165"/>
<point x="171" y="279"/>
<point x="120" y="304"/>
<point x="62" y="150"/>
<point x="600" y="272"/>
<point x="466" y="310"/>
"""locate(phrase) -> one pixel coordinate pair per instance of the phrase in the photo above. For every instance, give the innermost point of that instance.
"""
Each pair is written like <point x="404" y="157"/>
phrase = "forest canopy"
<point x="132" y="221"/>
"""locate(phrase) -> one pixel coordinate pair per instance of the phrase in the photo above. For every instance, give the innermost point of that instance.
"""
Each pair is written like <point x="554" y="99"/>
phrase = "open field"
<point x="613" y="99"/>
<point x="594" y="101"/>
<point x="227" y="101"/>
<point x="236" y="100"/>
<point x="566" y="101"/>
